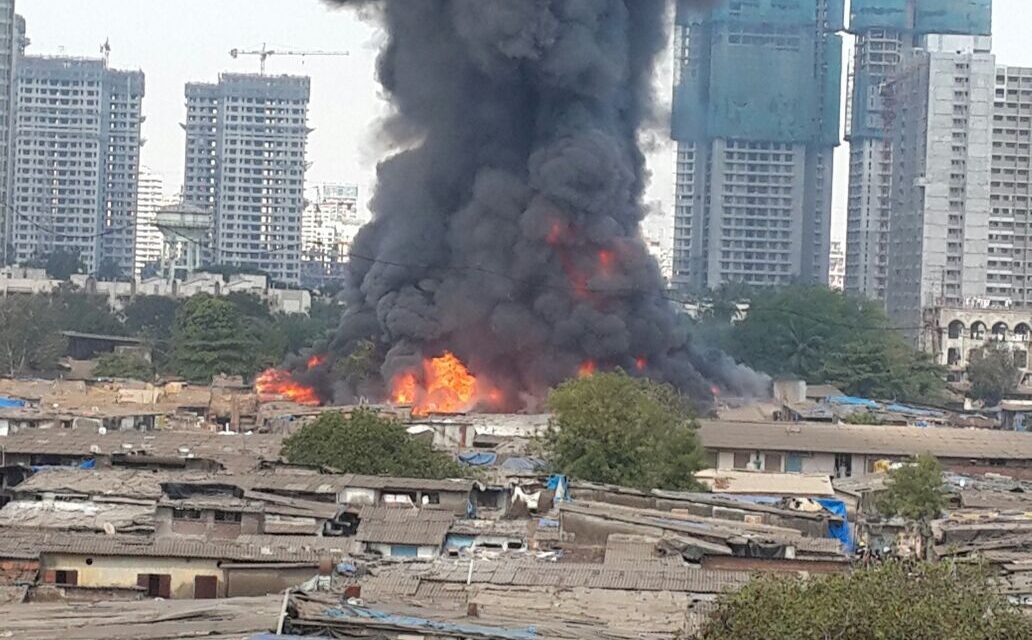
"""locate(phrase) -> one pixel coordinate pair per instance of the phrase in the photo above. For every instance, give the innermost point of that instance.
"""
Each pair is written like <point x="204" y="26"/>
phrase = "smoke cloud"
<point x="506" y="224"/>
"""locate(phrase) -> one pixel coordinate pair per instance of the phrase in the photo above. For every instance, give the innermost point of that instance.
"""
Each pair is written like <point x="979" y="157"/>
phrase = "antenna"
<point x="105" y="50"/>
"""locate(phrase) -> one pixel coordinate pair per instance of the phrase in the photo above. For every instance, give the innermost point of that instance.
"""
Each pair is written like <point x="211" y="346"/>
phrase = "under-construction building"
<point x="76" y="161"/>
<point x="888" y="33"/>
<point x="756" y="120"/>
<point x="245" y="164"/>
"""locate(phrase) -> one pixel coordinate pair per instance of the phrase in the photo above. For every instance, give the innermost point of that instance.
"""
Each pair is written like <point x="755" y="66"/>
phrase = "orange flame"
<point x="316" y="361"/>
<point x="587" y="369"/>
<point x="606" y="259"/>
<point x="640" y="362"/>
<point x="275" y="383"/>
<point x="405" y="388"/>
<point x="449" y="387"/>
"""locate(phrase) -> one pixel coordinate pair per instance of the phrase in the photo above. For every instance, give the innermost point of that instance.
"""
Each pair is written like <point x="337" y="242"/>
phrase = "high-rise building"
<point x="12" y="43"/>
<point x="940" y="107"/>
<point x="1010" y="189"/>
<point x="76" y="161"/>
<point x="887" y="32"/>
<point x="837" y="270"/>
<point x="756" y="119"/>
<point x="245" y="163"/>
<point x="330" y="223"/>
<point x="150" y="196"/>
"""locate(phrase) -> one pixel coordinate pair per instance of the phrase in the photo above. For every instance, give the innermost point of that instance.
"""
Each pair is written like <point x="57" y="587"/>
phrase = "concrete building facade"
<point x="150" y="197"/>
<point x="76" y="161"/>
<point x="941" y="113"/>
<point x="12" y="43"/>
<point x="954" y="335"/>
<point x="888" y="32"/>
<point x="1010" y="222"/>
<point x="245" y="163"/>
<point x="756" y="119"/>
<point x="330" y="223"/>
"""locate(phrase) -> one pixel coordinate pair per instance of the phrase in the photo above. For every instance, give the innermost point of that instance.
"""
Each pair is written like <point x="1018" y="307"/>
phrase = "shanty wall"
<point x="403" y="551"/>
<point x="122" y="571"/>
<point x="165" y="524"/>
<point x="250" y="580"/>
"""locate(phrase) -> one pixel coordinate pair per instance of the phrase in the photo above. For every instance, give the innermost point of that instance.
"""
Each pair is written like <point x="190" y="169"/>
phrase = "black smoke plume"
<point x="506" y="222"/>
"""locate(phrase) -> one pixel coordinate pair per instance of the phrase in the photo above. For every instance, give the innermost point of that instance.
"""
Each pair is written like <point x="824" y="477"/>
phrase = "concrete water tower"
<point x="186" y="233"/>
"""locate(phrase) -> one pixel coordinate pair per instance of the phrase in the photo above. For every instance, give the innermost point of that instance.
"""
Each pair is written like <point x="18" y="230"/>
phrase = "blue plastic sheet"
<point x="838" y="530"/>
<point x="11" y="403"/>
<point x="852" y="401"/>
<point x="478" y="458"/>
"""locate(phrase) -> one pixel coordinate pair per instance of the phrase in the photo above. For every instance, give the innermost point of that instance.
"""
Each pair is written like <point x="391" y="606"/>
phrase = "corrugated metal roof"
<point x="263" y="549"/>
<point x="876" y="440"/>
<point x="646" y="577"/>
<point x="412" y="532"/>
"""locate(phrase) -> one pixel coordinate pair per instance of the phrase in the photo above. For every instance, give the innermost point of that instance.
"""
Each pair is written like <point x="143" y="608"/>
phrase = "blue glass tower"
<point x="756" y="119"/>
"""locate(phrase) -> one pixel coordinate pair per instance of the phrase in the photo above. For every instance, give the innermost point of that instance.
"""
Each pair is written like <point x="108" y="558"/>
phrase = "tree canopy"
<point x="822" y="336"/>
<point x="892" y="601"/>
<point x="209" y="338"/>
<point x="915" y="490"/>
<point x="994" y="373"/>
<point x="61" y="264"/>
<point x="30" y="338"/>
<point x="613" y="428"/>
<point x="116" y="365"/>
<point x="367" y="443"/>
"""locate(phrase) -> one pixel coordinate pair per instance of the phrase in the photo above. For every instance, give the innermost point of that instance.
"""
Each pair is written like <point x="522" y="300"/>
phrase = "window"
<point x="63" y="576"/>
<point x="742" y="460"/>
<point x="772" y="462"/>
<point x="227" y="516"/>
<point x="794" y="463"/>
<point x="186" y="514"/>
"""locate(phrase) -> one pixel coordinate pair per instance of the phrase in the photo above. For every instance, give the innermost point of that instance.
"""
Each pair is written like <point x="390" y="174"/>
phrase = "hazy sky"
<point x="180" y="41"/>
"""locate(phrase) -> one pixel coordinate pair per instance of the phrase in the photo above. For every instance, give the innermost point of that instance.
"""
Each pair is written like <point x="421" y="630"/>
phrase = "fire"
<point x="404" y="389"/>
<point x="715" y="390"/>
<point x="640" y="363"/>
<point x="448" y="387"/>
<point x="316" y="361"/>
<point x="587" y="369"/>
<point x="278" y="383"/>
<point x="606" y="259"/>
<point x="555" y="234"/>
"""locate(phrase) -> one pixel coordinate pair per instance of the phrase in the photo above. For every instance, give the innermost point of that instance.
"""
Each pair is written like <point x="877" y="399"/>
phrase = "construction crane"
<point x="264" y="53"/>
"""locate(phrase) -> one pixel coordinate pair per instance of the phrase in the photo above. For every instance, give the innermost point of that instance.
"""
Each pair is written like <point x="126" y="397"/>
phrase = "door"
<point x="794" y="463"/>
<point x="158" y="585"/>
<point x="206" y="587"/>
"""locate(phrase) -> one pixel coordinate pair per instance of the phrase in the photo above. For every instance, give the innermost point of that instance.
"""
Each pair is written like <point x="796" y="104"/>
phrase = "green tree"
<point x="915" y="491"/>
<point x="367" y="443"/>
<point x="894" y="601"/>
<point x="110" y="271"/>
<point x="822" y="336"/>
<point x="117" y="365"/>
<point x="85" y="312"/>
<point x="616" y="429"/>
<point x="994" y="373"/>
<point x="152" y="318"/>
<point x="30" y="339"/>
<point x="209" y="338"/>
<point x="61" y="264"/>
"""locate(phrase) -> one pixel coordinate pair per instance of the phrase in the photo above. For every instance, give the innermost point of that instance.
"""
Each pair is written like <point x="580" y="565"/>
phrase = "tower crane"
<point x="264" y="53"/>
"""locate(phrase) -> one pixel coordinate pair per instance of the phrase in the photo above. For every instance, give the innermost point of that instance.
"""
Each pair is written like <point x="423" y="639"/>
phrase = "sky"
<point x="180" y="41"/>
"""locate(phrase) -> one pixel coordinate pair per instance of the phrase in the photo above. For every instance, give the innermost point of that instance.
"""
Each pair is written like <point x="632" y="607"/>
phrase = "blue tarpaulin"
<point x="478" y="458"/>
<point x="838" y="530"/>
<point x="424" y="624"/>
<point x="853" y="401"/>
<point x="11" y="403"/>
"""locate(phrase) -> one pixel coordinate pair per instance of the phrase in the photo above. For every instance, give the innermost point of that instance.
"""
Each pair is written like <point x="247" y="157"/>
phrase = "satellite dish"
<point x="94" y="448"/>
<point x="109" y="528"/>
<point x="102" y="430"/>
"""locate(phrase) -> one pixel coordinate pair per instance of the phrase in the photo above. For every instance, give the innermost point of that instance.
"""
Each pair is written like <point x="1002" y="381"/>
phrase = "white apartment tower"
<point x="941" y="115"/>
<point x="150" y="196"/>
<point x="330" y="223"/>
<point x="76" y="161"/>
<point x="245" y="164"/>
